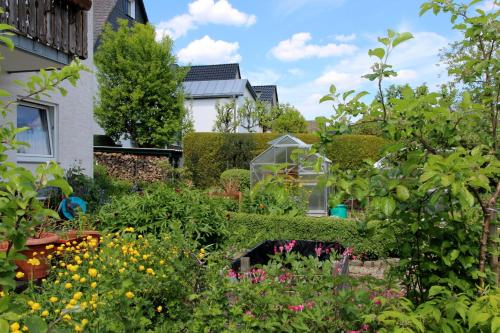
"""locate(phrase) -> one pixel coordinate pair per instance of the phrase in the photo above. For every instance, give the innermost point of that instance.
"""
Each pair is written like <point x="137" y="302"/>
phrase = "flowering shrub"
<point x="130" y="283"/>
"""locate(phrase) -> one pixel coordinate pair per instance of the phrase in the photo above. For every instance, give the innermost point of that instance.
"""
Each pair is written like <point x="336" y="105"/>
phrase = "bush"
<point x="160" y="205"/>
<point x="235" y="179"/>
<point x="98" y="190"/>
<point x="373" y="241"/>
<point x="207" y="155"/>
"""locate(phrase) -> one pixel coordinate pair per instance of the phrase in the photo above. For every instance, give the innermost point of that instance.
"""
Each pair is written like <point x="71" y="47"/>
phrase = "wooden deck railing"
<point x="60" y="24"/>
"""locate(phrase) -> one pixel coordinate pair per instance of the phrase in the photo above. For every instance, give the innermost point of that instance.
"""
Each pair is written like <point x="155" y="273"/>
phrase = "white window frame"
<point x="131" y="8"/>
<point x="53" y="122"/>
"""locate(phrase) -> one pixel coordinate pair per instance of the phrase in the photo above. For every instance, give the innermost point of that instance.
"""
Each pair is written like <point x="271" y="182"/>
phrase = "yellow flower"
<point x="76" y="277"/>
<point x="93" y="285"/>
<point x="78" y="295"/>
<point x="85" y="322"/>
<point x="34" y="262"/>
<point x="49" y="256"/>
<point x="129" y="229"/>
<point x="68" y="285"/>
<point x="15" y="326"/>
<point x="86" y="255"/>
<point x="67" y="317"/>
<point x="73" y="302"/>
<point x="48" y="247"/>
<point x="35" y="306"/>
<point x="53" y="299"/>
<point x="83" y="280"/>
<point x="150" y="271"/>
<point x="72" y="268"/>
<point x="19" y="275"/>
<point x="45" y="313"/>
<point x="121" y="270"/>
<point x="159" y="308"/>
<point x="92" y="272"/>
<point x="162" y="262"/>
<point x="25" y="328"/>
<point x="141" y="268"/>
<point x="78" y="328"/>
<point x="129" y="294"/>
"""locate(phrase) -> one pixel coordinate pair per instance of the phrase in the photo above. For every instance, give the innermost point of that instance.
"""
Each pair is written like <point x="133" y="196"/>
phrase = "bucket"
<point x="339" y="211"/>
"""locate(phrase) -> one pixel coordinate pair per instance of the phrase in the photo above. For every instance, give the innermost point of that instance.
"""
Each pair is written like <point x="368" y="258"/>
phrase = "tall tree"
<point x="226" y="120"/>
<point x="290" y="120"/>
<point x="140" y="96"/>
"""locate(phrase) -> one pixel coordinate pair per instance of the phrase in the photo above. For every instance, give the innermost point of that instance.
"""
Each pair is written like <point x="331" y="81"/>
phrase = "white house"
<point x="60" y="128"/>
<point x="205" y="86"/>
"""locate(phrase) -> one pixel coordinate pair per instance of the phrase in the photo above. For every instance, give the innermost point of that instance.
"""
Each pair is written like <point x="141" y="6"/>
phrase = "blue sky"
<point x="303" y="46"/>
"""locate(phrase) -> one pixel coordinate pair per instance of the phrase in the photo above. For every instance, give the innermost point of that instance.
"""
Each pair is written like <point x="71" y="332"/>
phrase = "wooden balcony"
<point x="52" y="29"/>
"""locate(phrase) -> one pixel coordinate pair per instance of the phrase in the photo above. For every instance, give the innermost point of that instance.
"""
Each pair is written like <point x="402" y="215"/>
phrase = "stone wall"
<point x="376" y="269"/>
<point x="132" y="167"/>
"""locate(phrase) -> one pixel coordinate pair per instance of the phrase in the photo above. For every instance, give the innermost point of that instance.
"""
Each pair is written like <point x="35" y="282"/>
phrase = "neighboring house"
<point x="205" y="86"/>
<point x="50" y="33"/>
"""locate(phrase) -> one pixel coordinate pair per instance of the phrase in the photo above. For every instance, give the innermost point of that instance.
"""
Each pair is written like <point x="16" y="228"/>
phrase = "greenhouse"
<point x="297" y="161"/>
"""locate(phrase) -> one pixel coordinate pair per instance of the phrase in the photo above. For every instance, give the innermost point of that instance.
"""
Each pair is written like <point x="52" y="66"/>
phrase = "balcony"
<point x="49" y="33"/>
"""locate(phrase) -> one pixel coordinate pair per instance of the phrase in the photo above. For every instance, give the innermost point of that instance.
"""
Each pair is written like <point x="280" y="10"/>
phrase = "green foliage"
<point x="352" y="151"/>
<point x="439" y="182"/>
<point x="130" y="284"/>
<point x="375" y="240"/>
<point x="248" y="115"/>
<point x="226" y="120"/>
<point x="139" y="86"/>
<point x="290" y="120"/>
<point x="225" y="151"/>
<point x="235" y="179"/>
<point x="96" y="191"/>
<point x="160" y="205"/>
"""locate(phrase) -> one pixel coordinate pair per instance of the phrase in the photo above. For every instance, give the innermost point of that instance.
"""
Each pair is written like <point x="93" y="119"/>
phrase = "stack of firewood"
<point x="132" y="167"/>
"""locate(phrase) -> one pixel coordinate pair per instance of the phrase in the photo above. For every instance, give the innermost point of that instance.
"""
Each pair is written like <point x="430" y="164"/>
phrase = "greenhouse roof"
<point x="288" y="140"/>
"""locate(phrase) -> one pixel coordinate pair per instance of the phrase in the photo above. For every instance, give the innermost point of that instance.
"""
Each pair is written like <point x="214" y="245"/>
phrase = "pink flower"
<point x="347" y="252"/>
<point x="275" y="249"/>
<point x="296" y="308"/>
<point x="318" y="251"/>
<point x="310" y="305"/>
<point x="289" y="246"/>
<point x="377" y="302"/>
<point x="281" y="248"/>
<point x="232" y="274"/>
<point x="249" y="313"/>
<point x="365" y="327"/>
<point x="284" y="277"/>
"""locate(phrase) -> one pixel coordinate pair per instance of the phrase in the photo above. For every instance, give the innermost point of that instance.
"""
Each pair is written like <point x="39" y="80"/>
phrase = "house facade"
<point x="51" y="33"/>
<point x="209" y="85"/>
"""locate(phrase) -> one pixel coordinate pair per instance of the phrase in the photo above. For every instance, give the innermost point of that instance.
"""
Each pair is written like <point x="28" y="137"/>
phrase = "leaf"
<point x="402" y="193"/>
<point x="436" y="290"/>
<point x="333" y="89"/>
<point x="36" y="324"/>
<point x="378" y="52"/>
<point x="403" y="37"/>
<point x="387" y="205"/>
<point x="495" y="325"/>
<point x="4" y="325"/>
<point x="326" y="98"/>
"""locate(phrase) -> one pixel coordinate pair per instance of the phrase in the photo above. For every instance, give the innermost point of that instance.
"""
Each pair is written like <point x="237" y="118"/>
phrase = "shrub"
<point x="130" y="284"/>
<point x="207" y="155"/>
<point x="373" y="241"/>
<point x="97" y="191"/>
<point x="235" y="179"/>
<point x="160" y="205"/>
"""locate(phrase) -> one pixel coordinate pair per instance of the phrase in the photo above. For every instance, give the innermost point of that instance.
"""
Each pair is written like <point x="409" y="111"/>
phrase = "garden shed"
<point x="298" y="161"/>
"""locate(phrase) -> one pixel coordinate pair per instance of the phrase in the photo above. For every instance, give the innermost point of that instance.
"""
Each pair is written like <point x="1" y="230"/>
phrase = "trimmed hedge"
<point x="375" y="240"/>
<point x="207" y="155"/>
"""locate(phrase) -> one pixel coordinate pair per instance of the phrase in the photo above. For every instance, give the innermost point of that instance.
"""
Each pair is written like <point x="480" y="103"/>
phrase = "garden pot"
<point x="339" y="211"/>
<point x="38" y="246"/>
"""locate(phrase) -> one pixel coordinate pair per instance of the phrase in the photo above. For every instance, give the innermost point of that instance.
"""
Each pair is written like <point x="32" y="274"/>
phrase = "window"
<point x="130" y="8"/>
<point x="39" y="121"/>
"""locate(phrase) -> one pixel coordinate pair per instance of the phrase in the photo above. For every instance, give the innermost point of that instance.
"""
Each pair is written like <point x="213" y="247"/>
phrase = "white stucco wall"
<point x="73" y="137"/>
<point x="205" y="114"/>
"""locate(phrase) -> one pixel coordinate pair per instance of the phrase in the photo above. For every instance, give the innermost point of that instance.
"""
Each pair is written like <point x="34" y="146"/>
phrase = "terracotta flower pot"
<point x="37" y="264"/>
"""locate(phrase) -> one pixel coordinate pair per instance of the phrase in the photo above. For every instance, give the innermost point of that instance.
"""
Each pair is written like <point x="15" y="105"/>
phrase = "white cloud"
<point x="415" y="61"/>
<point x="489" y="5"/>
<point x="208" y="51"/>
<point x="345" y="38"/>
<point x="263" y="77"/>
<point x="204" y="12"/>
<point x="297" y="47"/>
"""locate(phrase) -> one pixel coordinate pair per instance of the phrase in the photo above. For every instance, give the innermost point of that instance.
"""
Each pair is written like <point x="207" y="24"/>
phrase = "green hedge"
<point x="207" y="155"/>
<point x="373" y="240"/>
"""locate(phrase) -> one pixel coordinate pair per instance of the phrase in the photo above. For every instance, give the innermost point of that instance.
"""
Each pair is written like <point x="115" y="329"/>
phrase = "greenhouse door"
<point x="317" y="200"/>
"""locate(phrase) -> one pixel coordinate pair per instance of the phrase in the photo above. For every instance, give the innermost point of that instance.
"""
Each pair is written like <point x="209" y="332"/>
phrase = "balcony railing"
<point x="59" y="24"/>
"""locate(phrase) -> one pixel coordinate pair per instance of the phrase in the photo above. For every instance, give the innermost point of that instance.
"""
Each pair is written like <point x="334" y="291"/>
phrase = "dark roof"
<point x="266" y="93"/>
<point x="213" y="72"/>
